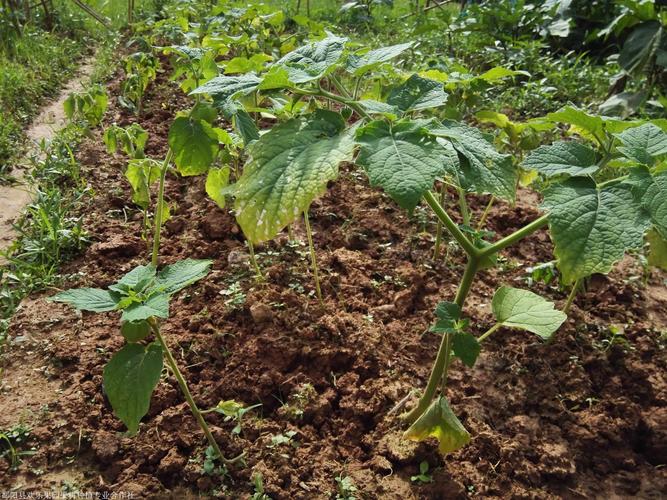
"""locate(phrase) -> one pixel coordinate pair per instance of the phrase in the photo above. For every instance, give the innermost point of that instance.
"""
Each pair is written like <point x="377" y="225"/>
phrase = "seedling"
<point x="131" y="140"/>
<point x="423" y="477"/>
<point x="232" y="411"/>
<point x="88" y="105"/>
<point x="140" y="69"/>
<point x="130" y="377"/>
<point x="346" y="487"/>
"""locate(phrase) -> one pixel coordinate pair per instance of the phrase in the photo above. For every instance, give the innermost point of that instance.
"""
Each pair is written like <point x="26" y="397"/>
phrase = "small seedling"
<point x="130" y="377"/>
<point x="423" y="477"/>
<point x="346" y="489"/>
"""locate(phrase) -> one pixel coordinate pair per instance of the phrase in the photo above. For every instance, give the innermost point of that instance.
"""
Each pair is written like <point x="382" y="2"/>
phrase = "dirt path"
<point x="51" y="119"/>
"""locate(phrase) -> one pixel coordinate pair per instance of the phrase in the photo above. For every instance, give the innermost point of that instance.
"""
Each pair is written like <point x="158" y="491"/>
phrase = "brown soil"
<point x="577" y="417"/>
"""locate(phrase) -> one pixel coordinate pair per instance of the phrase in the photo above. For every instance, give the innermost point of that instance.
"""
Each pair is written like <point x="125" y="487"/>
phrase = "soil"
<point x="14" y="198"/>
<point x="581" y="416"/>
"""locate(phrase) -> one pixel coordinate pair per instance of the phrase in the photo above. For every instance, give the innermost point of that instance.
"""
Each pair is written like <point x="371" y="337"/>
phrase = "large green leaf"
<point x="651" y="193"/>
<point x="290" y="166"/>
<point x="194" y="143"/>
<point x="439" y="421"/>
<point x="417" y="93"/>
<point x="183" y="273"/>
<point x="226" y="88"/>
<point x="157" y="305"/>
<point x="403" y="159"/>
<point x="129" y="380"/>
<point x="359" y="65"/>
<point x="592" y="227"/>
<point x="640" y="46"/>
<point x="583" y="123"/>
<point x="525" y="310"/>
<point x="88" y="299"/>
<point x="563" y="158"/>
<point x="485" y="169"/>
<point x="644" y="144"/>
<point x="314" y="60"/>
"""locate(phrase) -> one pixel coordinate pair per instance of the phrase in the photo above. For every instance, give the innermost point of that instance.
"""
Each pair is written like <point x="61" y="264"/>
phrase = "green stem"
<point x="571" y="296"/>
<point x="333" y="97"/>
<point x="442" y="359"/>
<point x="313" y="257"/>
<point x="451" y="226"/>
<point x="514" y="237"/>
<point x="357" y="87"/>
<point x="160" y="208"/>
<point x="463" y="204"/>
<point x="485" y="214"/>
<point x="173" y="366"/>
<point x="489" y="332"/>
<point x="438" y="230"/>
<point x="253" y="260"/>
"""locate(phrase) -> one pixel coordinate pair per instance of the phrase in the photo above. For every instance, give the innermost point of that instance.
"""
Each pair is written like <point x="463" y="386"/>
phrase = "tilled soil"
<point x="582" y="416"/>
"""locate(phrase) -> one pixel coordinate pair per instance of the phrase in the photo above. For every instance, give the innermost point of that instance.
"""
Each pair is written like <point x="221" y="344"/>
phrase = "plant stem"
<point x="444" y="351"/>
<point x="188" y="395"/>
<point x="438" y="230"/>
<point x="485" y="214"/>
<point x="253" y="260"/>
<point x="313" y="257"/>
<point x="514" y="237"/>
<point x="495" y="327"/>
<point x="571" y="296"/>
<point x="160" y="208"/>
<point x="451" y="226"/>
<point x="465" y="213"/>
<point x="328" y="95"/>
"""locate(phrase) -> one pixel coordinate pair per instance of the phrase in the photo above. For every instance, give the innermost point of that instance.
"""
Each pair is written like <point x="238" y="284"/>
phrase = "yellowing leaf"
<point x="439" y="422"/>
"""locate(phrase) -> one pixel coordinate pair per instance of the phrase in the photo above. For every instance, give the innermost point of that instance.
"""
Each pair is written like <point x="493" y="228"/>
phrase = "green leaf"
<point x="584" y="124"/>
<point x="657" y="256"/>
<point x="640" y="46"/>
<point x="448" y="314"/>
<point x="439" y="421"/>
<point x="499" y="73"/>
<point x="157" y="305"/>
<point x="134" y="331"/>
<point x="651" y="192"/>
<point x="275" y="78"/>
<point x="88" y="299"/>
<point x="486" y="170"/>
<point x="216" y="180"/>
<point x="379" y="108"/>
<point x="141" y="174"/>
<point x="137" y="279"/>
<point x="359" y="65"/>
<point x="417" y="93"/>
<point x="644" y="144"/>
<point x="563" y="158"/>
<point x="313" y="61"/>
<point x="403" y="159"/>
<point x="226" y="88"/>
<point x="466" y="348"/>
<point x="526" y="310"/>
<point x="194" y="143"/>
<point x="129" y="380"/>
<point x="290" y="166"/>
<point x="181" y="274"/>
<point x="592" y="227"/>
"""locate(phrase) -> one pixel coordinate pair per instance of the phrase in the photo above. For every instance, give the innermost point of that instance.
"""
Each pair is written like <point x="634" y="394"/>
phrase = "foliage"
<point x="89" y="105"/>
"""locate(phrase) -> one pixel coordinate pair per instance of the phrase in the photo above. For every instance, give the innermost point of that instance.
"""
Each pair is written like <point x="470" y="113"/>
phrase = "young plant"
<point x="88" y="105"/>
<point x="131" y="140"/>
<point x="405" y="147"/>
<point x="131" y="375"/>
<point x="140" y="70"/>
